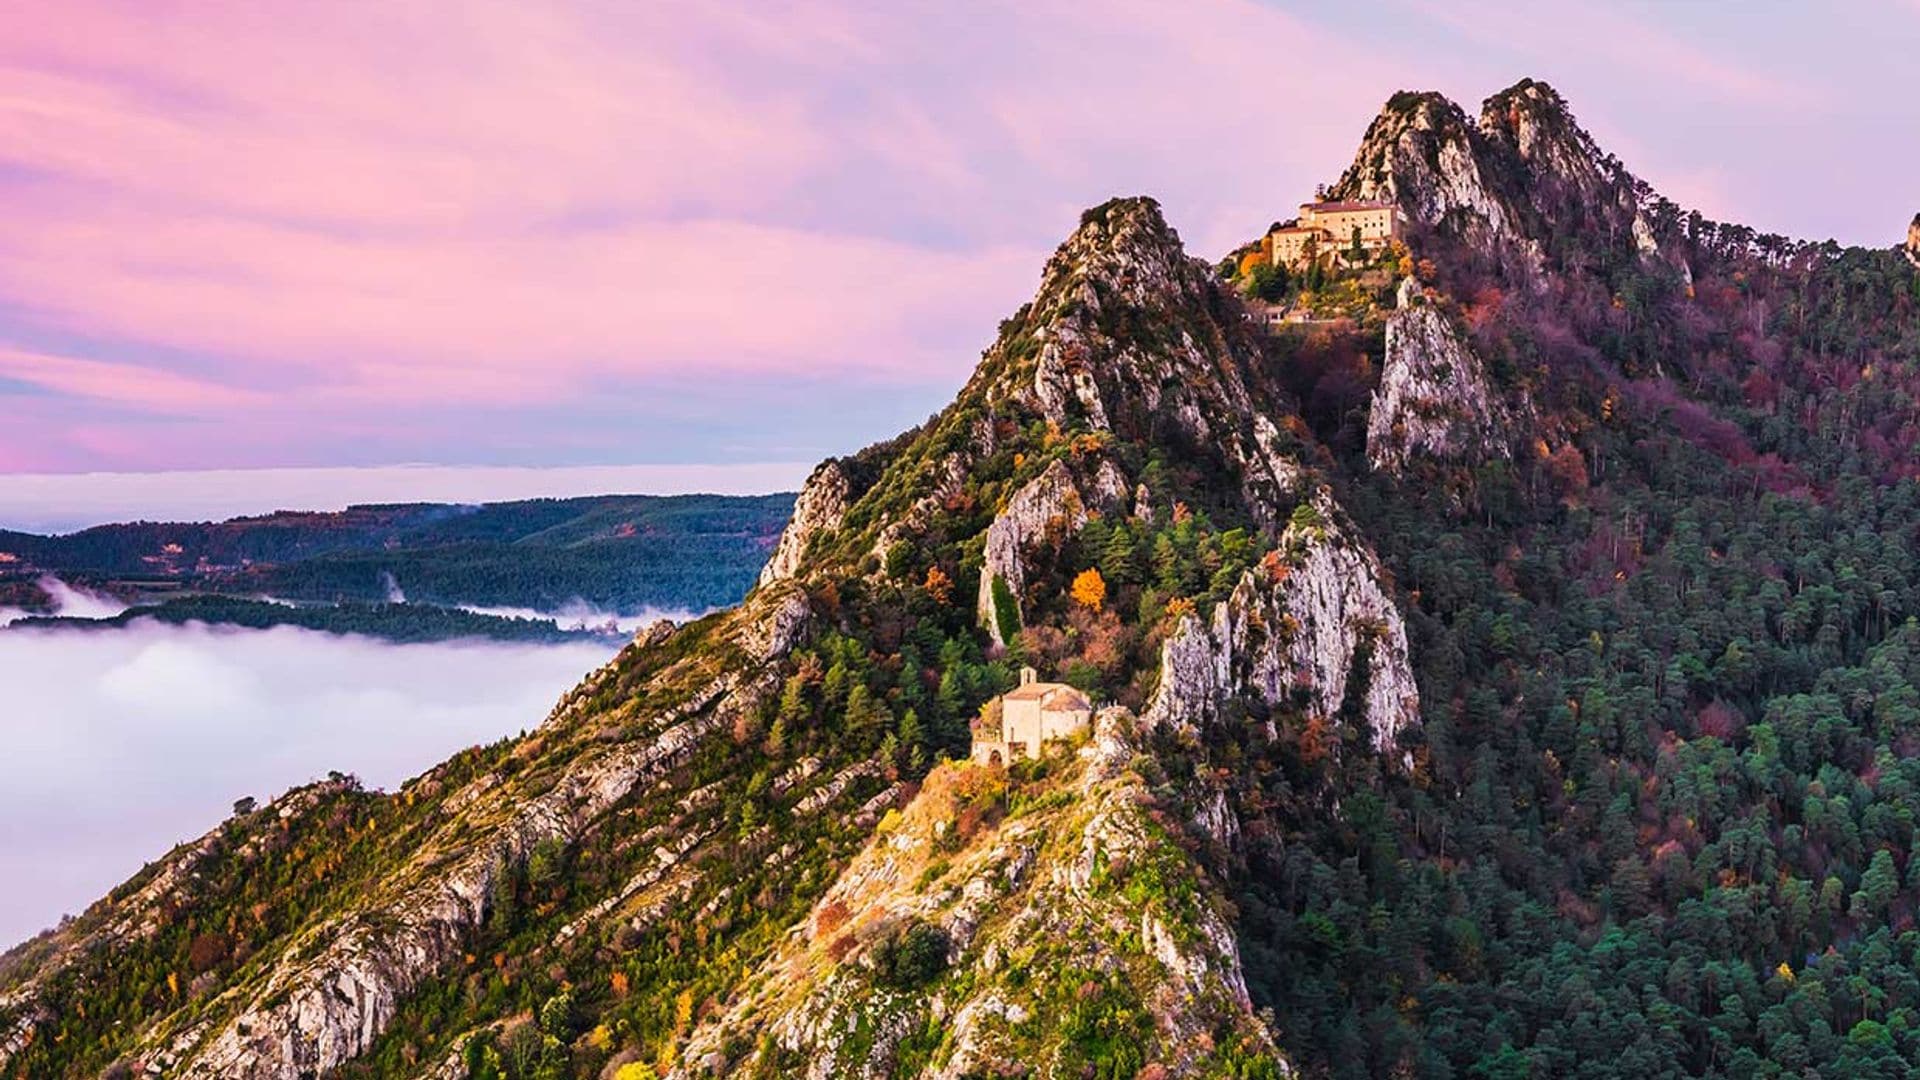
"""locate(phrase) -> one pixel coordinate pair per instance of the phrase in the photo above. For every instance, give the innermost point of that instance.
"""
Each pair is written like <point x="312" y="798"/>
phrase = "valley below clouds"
<point x="122" y="743"/>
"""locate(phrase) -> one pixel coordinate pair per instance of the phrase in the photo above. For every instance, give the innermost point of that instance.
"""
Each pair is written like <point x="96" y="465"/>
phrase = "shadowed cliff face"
<point x="1377" y="610"/>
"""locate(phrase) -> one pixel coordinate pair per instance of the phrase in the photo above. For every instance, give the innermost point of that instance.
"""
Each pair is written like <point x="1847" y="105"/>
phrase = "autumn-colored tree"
<point x="1275" y="566"/>
<point x="1250" y="262"/>
<point x="1313" y="740"/>
<point x="939" y="585"/>
<point x="1568" y="468"/>
<point x="1090" y="589"/>
<point x="831" y="917"/>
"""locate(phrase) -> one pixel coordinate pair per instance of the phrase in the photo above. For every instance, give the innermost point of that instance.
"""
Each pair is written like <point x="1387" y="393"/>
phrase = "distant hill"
<point x="612" y="553"/>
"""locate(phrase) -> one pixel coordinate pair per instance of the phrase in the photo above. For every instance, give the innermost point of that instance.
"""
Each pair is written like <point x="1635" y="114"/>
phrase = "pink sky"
<point x="272" y="234"/>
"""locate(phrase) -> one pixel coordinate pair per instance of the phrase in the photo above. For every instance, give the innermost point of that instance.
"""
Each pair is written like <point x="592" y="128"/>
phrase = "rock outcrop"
<point x="1299" y="632"/>
<point x="1130" y="335"/>
<point x="1035" y="912"/>
<point x="1047" y="510"/>
<point x="1505" y="184"/>
<point x="1423" y="154"/>
<point x="819" y="509"/>
<point x="1435" y="399"/>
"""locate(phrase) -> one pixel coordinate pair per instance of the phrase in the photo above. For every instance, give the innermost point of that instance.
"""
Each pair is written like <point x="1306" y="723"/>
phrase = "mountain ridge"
<point x="1407" y="671"/>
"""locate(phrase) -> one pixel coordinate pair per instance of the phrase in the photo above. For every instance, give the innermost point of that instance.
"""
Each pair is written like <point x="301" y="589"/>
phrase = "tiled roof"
<point x="1344" y="206"/>
<point x="1051" y="696"/>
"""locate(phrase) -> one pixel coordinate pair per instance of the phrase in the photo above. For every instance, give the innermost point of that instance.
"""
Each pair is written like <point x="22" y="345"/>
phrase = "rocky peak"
<point x="1523" y="173"/>
<point x="1132" y="336"/>
<point x="819" y="509"/>
<point x="1423" y="154"/>
<point x="1534" y="121"/>
<point x="1121" y="307"/>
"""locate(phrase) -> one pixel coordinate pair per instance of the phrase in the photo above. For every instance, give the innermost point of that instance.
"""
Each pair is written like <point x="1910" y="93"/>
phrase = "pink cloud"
<point x="388" y="204"/>
<point x="386" y="220"/>
<point x="1545" y="30"/>
<point x="150" y="389"/>
<point x="504" y="315"/>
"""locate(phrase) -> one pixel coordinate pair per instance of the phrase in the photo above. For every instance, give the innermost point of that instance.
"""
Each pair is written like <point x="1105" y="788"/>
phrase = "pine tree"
<point x="1117" y="559"/>
<point x="913" y="735"/>
<point x="1166" y="563"/>
<point x="794" y="707"/>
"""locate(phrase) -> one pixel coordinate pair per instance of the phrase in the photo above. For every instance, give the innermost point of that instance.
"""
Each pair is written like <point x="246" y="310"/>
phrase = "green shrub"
<point x="914" y="957"/>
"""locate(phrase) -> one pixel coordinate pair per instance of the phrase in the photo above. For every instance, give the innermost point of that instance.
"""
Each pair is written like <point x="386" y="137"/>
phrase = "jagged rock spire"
<point x="1524" y="171"/>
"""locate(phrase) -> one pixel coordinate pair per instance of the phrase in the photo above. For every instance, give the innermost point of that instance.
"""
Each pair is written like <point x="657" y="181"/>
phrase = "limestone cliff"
<point x="819" y="509"/>
<point x="1435" y="399"/>
<point x="1311" y="625"/>
<point x="1131" y="336"/>
<point x="1048" y="507"/>
<point x="1507" y="184"/>
<point x="1423" y="154"/>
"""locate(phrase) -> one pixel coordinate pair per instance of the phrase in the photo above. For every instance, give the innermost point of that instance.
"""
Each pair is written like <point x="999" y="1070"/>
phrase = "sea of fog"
<point x="121" y="743"/>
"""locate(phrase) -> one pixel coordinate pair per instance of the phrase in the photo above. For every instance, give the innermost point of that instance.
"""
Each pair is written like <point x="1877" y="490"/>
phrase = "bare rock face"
<point x="1048" y="507"/>
<point x="1422" y="154"/>
<point x="1347" y="626"/>
<point x="1434" y="399"/>
<point x="1129" y="334"/>
<point x="1503" y="184"/>
<point x="819" y="509"/>
<point x="1307" y="628"/>
<point x="654" y="633"/>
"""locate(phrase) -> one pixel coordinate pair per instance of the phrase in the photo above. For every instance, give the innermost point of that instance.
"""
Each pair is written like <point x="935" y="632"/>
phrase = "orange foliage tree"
<point x="1090" y="589"/>
<point x="939" y="585"/>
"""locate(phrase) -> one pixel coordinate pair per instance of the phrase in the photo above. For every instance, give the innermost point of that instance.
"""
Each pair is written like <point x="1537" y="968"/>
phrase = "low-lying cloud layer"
<point x="67" y="600"/>
<point x="580" y="615"/>
<point x="122" y="743"/>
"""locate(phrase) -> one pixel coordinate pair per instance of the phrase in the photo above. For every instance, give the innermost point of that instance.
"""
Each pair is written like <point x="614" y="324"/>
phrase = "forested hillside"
<point x="616" y="552"/>
<point x="1507" y="660"/>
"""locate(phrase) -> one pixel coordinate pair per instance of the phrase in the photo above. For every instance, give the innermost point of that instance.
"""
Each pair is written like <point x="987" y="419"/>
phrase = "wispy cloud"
<point x="146" y="388"/>
<point x="394" y="220"/>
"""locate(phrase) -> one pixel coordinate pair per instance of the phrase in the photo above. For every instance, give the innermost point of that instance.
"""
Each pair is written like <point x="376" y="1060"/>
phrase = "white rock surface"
<point x="1048" y="507"/>
<point x="1435" y="399"/>
<point x="821" y="506"/>
<point x="1303" y="633"/>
